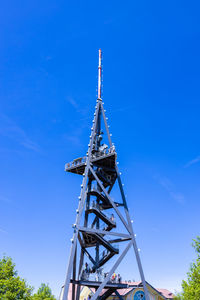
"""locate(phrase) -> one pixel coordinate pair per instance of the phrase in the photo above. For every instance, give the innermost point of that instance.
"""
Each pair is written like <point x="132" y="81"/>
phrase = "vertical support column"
<point x="74" y="275"/>
<point x="98" y="132"/>
<point x="79" y="273"/>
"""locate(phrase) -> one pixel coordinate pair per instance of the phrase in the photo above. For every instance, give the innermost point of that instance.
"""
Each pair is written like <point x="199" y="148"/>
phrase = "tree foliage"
<point x="191" y="286"/>
<point x="44" y="293"/>
<point x="12" y="287"/>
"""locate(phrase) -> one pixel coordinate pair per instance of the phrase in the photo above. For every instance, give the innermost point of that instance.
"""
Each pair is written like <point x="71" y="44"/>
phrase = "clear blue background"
<point x="48" y="81"/>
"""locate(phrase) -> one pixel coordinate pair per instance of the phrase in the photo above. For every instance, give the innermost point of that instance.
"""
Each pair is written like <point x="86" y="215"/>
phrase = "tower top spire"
<point x="99" y="74"/>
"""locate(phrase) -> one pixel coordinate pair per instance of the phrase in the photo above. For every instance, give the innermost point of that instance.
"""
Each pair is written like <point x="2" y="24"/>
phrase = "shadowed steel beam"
<point x="94" y="221"/>
<point x="80" y="241"/>
<point x="119" y="240"/>
<point x="107" y="294"/>
<point x="89" y="256"/>
<point x="118" y="295"/>
<point x="102" y="285"/>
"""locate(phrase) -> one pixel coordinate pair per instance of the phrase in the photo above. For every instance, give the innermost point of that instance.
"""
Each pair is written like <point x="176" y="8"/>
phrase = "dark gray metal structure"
<point x="95" y="231"/>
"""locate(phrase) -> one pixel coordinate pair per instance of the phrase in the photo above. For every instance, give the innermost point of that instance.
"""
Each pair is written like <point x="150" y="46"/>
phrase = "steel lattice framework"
<point x="94" y="229"/>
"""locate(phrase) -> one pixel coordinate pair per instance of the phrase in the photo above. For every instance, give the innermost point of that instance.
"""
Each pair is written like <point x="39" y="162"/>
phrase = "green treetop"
<point x="12" y="287"/>
<point x="191" y="286"/>
<point x="43" y="293"/>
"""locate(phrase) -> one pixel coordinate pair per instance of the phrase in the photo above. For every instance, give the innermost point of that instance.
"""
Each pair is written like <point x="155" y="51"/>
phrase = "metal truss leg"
<point x="133" y="236"/>
<point x="74" y="276"/>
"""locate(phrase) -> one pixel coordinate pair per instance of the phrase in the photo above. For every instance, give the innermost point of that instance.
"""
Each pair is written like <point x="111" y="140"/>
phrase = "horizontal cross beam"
<point x="92" y="230"/>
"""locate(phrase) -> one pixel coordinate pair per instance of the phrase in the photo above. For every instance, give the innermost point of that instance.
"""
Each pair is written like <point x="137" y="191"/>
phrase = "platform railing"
<point x="76" y="162"/>
<point x="103" y="153"/>
<point x="82" y="160"/>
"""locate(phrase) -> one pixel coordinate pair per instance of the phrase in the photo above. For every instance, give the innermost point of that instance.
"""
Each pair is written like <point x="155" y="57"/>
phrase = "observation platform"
<point x="96" y="284"/>
<point x="105" y="159"/>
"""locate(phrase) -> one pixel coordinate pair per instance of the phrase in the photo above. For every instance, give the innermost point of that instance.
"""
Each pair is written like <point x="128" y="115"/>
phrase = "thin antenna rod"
<point x="99" y="75"/>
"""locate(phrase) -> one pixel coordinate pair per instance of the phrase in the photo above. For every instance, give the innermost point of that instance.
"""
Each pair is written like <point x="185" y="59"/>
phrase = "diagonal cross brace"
<point x="118" y="295"/>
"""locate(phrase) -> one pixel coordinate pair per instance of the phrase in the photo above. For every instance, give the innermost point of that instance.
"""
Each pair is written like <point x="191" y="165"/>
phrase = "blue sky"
<point x="48" y="82"/>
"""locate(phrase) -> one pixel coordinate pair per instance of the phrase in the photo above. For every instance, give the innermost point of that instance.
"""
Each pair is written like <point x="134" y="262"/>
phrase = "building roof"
<point x="167" y="294"/>
<point x="138" y="284"/>
<point x="132" y="285"/>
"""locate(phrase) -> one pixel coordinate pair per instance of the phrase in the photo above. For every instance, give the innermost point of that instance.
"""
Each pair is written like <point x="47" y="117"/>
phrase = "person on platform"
<point x="86" y="271"/>
<point x="114" y="276"/>
<point x="119" y="279"/>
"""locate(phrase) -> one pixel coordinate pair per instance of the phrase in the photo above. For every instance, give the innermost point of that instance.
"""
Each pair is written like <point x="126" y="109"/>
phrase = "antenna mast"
<point x="99" y="74"/>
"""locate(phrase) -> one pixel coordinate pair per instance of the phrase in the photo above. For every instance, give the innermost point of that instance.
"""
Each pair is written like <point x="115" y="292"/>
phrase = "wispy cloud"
<point x="81" y="109"/>
<point x="74" y="136"/>
<point x="73" y="102"/>
<point x="170" y="188"/>
<point x="11" y="130"/>
<point x="192" y="162"/>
